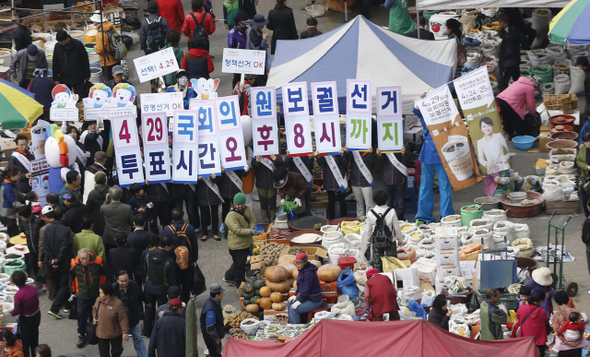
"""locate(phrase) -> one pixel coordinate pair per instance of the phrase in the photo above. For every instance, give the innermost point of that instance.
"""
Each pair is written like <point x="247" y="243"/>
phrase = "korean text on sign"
<point x="155" y="147"/>
<point x="127" y="152"/>
<point x="326" y="117"/>
<point x="231" y="138"/>
<point x="185" y="146"/>
<point x="389" y="118"/>
<point x="265" y="130"/>
<point x="208" y="131"/>
<point x="438" y="107"/>
<point x="243" y="61"/>
<point x="156" y="64"/>
<point x="297" y="122"/>
<point x="161" y="102"/>
<point x="359" y="123"/>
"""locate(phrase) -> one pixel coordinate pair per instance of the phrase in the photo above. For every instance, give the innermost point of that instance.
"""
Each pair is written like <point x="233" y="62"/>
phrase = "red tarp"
<point x="405" y="338"/>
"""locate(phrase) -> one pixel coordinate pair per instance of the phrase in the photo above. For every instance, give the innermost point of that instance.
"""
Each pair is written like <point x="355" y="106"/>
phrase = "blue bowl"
<point x="523" y="142"/>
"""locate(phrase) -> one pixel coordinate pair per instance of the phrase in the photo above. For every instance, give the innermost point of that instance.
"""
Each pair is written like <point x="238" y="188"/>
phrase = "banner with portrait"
<point x="478" y="103"/>
<point x="450" y="137"/>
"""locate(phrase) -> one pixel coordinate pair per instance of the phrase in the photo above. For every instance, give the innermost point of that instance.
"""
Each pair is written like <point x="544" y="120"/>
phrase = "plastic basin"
<point x="523" y="142"/>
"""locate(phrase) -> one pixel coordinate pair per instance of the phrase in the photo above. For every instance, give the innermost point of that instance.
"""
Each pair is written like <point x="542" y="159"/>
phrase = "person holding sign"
<point x="21" y="158"/>
<point x="394" y="180"/>
<point x="208" y="200"/>
<point x="182" y="85"/>
<point x="264" y="168"/>
<point x="430" y="162"/>
<point x="230" y="185"/>
<point x="335" y="181"/>
<point x="293" y="187"/>
<point x="303" y="166"/>
<point x="361" y="179"/>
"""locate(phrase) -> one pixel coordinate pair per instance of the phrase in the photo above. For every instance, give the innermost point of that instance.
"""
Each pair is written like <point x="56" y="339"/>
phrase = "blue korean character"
<point x="325" y="99"/>
<point x="153" y="107"/>
<point x="186" y="164"/>
<point x="129" y="165"/>
<point x="263" y="104"/>
<point x="146" y="107"/>
<point x="228" y="110"/>
<point x="157" y="163"/>
<point x="295" y="97"/>
<point x="144" y="72"/>
<point x="227" y="62"/>
<point x="186" y="125"/>
<point x="391" y="100"/>
<point x="205" y="119"/>
<point x="362" y="104"/>
<point x="203" y="150"/>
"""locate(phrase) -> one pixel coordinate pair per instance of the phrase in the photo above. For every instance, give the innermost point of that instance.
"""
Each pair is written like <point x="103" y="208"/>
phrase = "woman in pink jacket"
<point x="514" y="102"/>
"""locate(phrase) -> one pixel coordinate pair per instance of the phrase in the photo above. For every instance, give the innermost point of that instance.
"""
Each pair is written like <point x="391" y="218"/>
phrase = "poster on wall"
<point x="265" y="129"/>
<point x="390" y="133"/>
<point x="478" y="103"/>
<point x="326" y="117"/>
<point x="450" y="137"/>
<point x="359" y="122"/>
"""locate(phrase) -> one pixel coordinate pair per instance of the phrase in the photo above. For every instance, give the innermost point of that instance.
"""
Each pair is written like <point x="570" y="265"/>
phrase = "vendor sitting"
<point x="182" y="85"/>
<point x="504" y="182"/>
<point x="380" y="296"/>
<point x="308" y="296"/>
<point x="292" y="186"/>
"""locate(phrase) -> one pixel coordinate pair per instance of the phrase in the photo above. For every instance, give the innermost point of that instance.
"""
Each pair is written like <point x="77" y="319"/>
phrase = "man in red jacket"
<point x="380" y="296"/>
<point x="189" y="21"/>
<point x="173" y="12"/>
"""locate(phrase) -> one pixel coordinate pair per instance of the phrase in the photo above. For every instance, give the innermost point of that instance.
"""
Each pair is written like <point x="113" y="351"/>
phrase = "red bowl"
<point x="561" y="119"/>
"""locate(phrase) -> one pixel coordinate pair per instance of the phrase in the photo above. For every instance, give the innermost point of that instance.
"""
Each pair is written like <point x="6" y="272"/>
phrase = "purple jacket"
<point x="547" y="304"/>
<point x="236" y="39"/>
<point x="308" y="284"/>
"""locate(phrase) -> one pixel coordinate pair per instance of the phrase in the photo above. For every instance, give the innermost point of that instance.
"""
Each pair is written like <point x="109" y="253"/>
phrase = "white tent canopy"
<point x="477" y="4"/>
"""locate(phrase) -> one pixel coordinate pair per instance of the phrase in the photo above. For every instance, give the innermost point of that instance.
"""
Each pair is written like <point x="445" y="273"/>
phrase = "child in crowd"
<point x="208" y="200"/>
<point x="571" y="328"/>
<point x="140" y="204"/>
<point x="523" y="296"/>
<point x="32" y="200"/>
<point x="361" y="179"/>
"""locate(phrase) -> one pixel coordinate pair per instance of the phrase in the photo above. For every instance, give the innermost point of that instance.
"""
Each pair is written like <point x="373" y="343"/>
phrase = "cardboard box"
<point x="447" y="270"/>
<point x="467" y="268"/>
<point x="447" y="257"/>
<point x="255" y="262"/>
<point x="313" y="253"/>
<point x="543" y="141"/>
<point x="408" y="277"/>
<point x="426" y="270"/>
<point x="280" y="317"/>
<point x="446" y="243"/>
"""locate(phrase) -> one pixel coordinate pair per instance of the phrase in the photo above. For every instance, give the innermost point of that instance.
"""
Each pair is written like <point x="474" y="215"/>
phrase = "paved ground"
<point x="214" y="258"/>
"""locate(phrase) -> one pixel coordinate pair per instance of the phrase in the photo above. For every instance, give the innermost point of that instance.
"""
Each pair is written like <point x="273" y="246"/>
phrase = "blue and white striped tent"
<point x="363" y="50"/>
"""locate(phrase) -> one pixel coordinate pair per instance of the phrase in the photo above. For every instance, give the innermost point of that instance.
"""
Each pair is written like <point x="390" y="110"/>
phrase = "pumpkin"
<point x="279" y="306"/>
<point x="252" y="308"/>
<point x="281" y="286"/>
<point x="265" y="303"/>
<point x="251" y="279"/>
<point x="255" y="299"/>
<point x="246" y="296"/>
<point x="295" y="274"/>
<point x="295" y="285"/>
<point x="290" y="281"/>
<point x="317" y="263"/>
<point x="287" y="258"/>
<point x="259" y="284"/>
<point x="248" y="288"/>
<point x="276" y="297"/>
<point x="265" y="291"/>
<point x="329" y="272"/>
<point x="276" y="273"/>
<point x="291" y="268"/>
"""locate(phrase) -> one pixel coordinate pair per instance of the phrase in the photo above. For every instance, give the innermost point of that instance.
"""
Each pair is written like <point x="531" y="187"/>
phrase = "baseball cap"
<point x="32" y="52"/>
<point x="176" y="303"/>
<point x="118" y="70"/>
<point x="216" y="288"/>
<point x="46" y="210"/>
<point x="301" y="257"/>
<point x="67" y="196"/>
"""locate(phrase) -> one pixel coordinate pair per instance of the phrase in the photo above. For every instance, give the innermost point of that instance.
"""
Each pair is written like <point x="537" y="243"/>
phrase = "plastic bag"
<point x="343" y="306"/>
<point x="459" y="310"/>
<point x="419" y="310"/>
<point x="411" y="293"/>
<point x="353" y="240"/>
<point x="250" y="329"/>
<point x="428" y="298"/>
<point x="347" y="284"/>
<point x="525" y="245"/>
<point x="552" y="193"/>
<point x="360" y="276"/>
<point x="350" y="227"/>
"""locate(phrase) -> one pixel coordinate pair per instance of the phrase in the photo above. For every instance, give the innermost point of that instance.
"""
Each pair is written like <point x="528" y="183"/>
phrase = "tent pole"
<point x="418" y="20"/>
<point x="345" y="10"/>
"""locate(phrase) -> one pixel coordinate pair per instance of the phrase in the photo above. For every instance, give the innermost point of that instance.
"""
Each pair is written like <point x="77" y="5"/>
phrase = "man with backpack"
<point x="382" y="232"/>
<point x="109" y="45"/>
<point x="186" y="250"/>
<point x="152" y="36"/>
<point x="198" y="26"/>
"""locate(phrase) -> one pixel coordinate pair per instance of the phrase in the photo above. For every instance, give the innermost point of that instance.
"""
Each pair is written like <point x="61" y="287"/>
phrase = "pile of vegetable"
<point x="270" y="252"/>
<point x="235" y="319"/>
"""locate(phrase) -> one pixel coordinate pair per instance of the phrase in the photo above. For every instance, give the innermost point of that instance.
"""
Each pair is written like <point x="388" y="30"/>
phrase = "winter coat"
<point x="236" y="38"/>
<point x="131" y="299"/>
<point x="144" y="30"/>
<point x="197" y="63"/>
<point x="390" y="220"/>
<point x="296" y="187"/>
<point x="170" y="78"/>
<point x="15" y="351"/>
<point x="103" y="46"/>
<point x="509" y="55"/>
<point x="10" y="194"/>
<point x="73" y="215"/>
<point x="22" y="37"/>
<point x="212" y="329"/>
<point x="123" y="258"/>
<point x="157" y="192"/>
<point x="227" y="188"/>
<point x="19" y="63"/>
<point x="31" y="229"/>
<point x="399" y="17"/>
<point x="96" y="199"/>
<point x="264" y="174"/>
<point x="391" y="175"/>
<point x="356" y="176"/>
<point x="23" y="184"/>
<point x="160" y="272"/>
<point x="547" y="303"/>
<point x="70" y="63"/>
<point x="439" y="318"/>
<point x="520" y="95"/>
<point x="138" y="240"/>
<point x="230" y="9"/>
<point x="309" y="33"/>
<point x="192" y="244"/>
<point x="534" y="324"/>
<point x="586" y="234"/>
<point x="492" y="318"/>
<point x="112" y="318"/>
<point x="330" y="183"/>
<point x="239" y="226"/>
<point x="118" y="217"/>
<point x="89" y="240"/>
<point x="173" y="12"/>
<point x="308" y="284"/>
<point x="41" y="87"/>
<point x="189" y="24"/>
<point x="380" y="295"/>
<point x="428" y="153"/>
<point x="168" y="336"/>
<point x="205" y="195"/>
<point x="254" y="40"/>
<point x="307" y="161"/>
<point x="282" y="23"/>
<point x="85" y="280"/>
<point x="57" y="242"/>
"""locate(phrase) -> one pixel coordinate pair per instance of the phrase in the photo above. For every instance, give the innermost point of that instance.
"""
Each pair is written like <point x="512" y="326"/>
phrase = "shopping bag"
<point x="199" y="285"/>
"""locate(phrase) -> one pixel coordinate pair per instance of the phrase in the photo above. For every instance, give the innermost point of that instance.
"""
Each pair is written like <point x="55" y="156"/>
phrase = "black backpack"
<point x="381" y="236"/>
<point x="156" y="38"/>
<point x="199" y="38"/>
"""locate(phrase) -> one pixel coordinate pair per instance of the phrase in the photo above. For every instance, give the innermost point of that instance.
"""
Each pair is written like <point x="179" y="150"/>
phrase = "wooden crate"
<point x="562" y="207"/>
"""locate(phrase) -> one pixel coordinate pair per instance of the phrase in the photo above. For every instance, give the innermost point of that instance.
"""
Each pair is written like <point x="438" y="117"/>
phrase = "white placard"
<point x="156" y="64"/>
<point x="129" y="166"/>
<point x="243" y="61"/>
<point x="162" y="102"/>
<point x="124" y="132"/>
<point x="232" y="153"/>
<point x="209" y="156"/>
<point x="63" y="114"/>
<point x="185" y="149"/>
<point x="298" y="136"/>
<point x="327" y="135"/>
<point x="265" y="137"/>
<point x="297" y="121"/>
<point x="390" y="134"/>
<point x="359" y="97"/>
<point x="389" y="102"/>
<point x="96" y="114"/>
<point x="155" y="147"/>
<point x="124" y="111"/>
<point x="438" y="106"/>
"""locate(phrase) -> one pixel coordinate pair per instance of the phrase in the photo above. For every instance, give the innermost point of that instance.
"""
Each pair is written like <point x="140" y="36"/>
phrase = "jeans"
<point x="364" y="200"/>
<point x="426" y="196"/>
<point x="138" y="342"/>
<point x="396" y="199"/>
<point x="110" y="348"/>
<point x="306" y="306"/>
<point x="29" y="331"/>
<point x="150" y="311"/>
<point x="332" y="196"/>
<point x="237" y="271"/>
<point x="84" y="311"/>
<point x="209" y="216"/>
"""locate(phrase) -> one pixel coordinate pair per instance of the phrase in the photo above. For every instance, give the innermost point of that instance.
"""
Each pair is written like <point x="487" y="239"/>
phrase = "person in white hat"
<point x="542" y="280"/>
<point x="103" y="46"/>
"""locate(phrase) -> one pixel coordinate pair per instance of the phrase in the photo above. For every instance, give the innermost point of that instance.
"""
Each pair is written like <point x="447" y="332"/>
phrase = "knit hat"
<point x="239" y="199"/>
<point x="372" y="272"/>
<point x="100" y="177"/>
